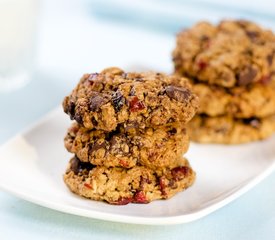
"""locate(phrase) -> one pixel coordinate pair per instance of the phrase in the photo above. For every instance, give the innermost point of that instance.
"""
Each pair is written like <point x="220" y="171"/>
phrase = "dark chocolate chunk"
<point x="96" y="102"/>
<point x="132" y="91"/>
<point x="70" y="109"/>
<point x="204" y="38"/>
<point x="252" y="34"/>
<point x="93" y="76"/>
<point x="269" y="58"/>
<point x="94" y="147"/>
<point x="77" y="166"/>
<point x="247" y="76"/>
<point x="253" y="122"/>
<point x="173" y="131"/>
<point x="77" y="117"/>
<point x="178" y="94"/>
<point x="118" y="100"/>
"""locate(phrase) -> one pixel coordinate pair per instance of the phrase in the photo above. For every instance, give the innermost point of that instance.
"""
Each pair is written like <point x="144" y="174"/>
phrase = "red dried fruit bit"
<point x="202" y="65"/>
<point x="123" y="201"/>
<point x="265" y="80"/>
<point x="179" y="173"/>
<point x="123" y="163"/>
<point x="88" y="185"/>
<point x="136" y="104"/>
<point x="162" y="186"/>
<point x="140" y="197"/>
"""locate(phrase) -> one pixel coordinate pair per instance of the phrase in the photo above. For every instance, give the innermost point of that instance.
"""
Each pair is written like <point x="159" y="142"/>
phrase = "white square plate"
<point x="33" y="164"/>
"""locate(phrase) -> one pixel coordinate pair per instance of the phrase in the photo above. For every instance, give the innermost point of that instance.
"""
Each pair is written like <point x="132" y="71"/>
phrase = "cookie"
<point x="254" y="100"/>
<point x="152" y="147"/>
<point x="233" y="53"/>
<point x="228" y="130"/>
<point x="121" y="186"/>
<point x="104" y="100"/>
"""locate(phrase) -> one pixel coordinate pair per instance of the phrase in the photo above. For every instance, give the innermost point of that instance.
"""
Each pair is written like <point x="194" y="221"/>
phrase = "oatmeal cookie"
<point x="104" y="100"/>
<point x="121" y="186"/>
<point x="233" y="53"/>
<point x="254" y="100"/>
<point x="152" y="147"/>
<point x="228" y="130"/>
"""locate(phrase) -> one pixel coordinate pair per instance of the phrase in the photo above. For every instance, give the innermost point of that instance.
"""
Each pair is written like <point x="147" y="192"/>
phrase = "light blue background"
<point x="252" y="216"/>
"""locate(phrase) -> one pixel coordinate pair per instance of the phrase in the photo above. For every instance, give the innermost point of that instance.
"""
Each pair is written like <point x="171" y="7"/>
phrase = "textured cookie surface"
<point x="122" y="186"/>
<point x="113" y="97"/>
<point x="254" y="100"/>
<point x="233" y="53"/>
<point x="228" y="130"/>
<point x="154" y="148"/>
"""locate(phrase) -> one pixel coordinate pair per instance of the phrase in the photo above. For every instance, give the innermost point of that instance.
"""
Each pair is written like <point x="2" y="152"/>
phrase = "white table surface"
<point x="71" y="42"/>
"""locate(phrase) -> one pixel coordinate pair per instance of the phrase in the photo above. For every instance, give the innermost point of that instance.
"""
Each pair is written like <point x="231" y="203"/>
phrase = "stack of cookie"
<point x="129" y="136"/>
<point x="232" y="69"/>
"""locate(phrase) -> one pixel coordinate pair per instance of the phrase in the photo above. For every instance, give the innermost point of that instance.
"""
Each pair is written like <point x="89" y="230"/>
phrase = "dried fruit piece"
<point x="136" y="104"/>
<point x="179" y="173"/>
<point x="140" y="197"/>
<point x="123" y="163"/>
<point x="202" y="65"/>
<point x="88" y="185"/>
<point x="123" y="201"/>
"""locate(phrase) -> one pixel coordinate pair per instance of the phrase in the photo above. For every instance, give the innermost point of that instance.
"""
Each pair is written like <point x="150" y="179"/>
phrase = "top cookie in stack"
<point x="135" y="100"/>
<point x="129" y="136"/>
<point x="232" y="70"/>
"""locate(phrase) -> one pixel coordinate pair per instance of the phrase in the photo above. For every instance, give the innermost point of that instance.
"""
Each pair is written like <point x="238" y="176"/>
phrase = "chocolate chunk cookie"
<point x="104" y="100"/>
<point x="254" y="100"/>
<point x="122" y="186"/>
<point x="233" y="53"/>
<point x="152" y="147"/>
<point x="228" y="130"/>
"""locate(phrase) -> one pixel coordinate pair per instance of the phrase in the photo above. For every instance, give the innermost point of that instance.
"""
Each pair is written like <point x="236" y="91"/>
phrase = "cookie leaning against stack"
<point x="129" y="136"/>
<point x="232" y="70"/>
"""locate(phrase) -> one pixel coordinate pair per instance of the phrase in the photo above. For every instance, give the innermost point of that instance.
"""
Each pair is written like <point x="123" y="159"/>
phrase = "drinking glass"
<point x="17" y="42"/>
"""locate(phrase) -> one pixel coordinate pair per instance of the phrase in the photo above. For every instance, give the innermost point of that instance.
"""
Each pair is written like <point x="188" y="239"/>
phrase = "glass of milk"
<point x="17" y="42"/>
